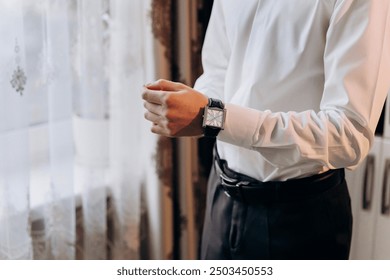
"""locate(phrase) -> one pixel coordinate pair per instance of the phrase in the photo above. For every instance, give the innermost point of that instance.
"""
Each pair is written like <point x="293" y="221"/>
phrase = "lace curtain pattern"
<point x="74" y="149"/>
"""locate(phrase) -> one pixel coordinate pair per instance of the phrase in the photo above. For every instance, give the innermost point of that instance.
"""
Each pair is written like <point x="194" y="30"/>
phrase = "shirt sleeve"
<point x="215" y="55"/>
<point x="357" y="78"/>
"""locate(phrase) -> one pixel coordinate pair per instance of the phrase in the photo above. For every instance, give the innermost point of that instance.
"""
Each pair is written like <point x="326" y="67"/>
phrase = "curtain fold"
<point x="127" y="129"/>
<point x="15" y="241"/>
<point x="60" y="211"/>
<point x="91" y="123"/>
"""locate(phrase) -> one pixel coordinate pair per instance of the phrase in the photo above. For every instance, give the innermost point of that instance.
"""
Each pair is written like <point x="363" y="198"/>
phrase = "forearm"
<point x="327" y="138"/>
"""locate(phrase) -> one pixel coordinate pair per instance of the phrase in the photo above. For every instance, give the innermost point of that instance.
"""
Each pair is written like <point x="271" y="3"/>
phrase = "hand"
<point x="174" y="109"/>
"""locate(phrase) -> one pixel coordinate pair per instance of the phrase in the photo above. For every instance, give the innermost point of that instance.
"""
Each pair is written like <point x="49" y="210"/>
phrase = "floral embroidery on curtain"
<point x="19" y="79"/>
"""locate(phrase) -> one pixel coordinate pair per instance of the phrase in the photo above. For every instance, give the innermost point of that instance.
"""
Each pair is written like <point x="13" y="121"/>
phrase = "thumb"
<point x="153" y="86"/>
<point x="164" y="85"/>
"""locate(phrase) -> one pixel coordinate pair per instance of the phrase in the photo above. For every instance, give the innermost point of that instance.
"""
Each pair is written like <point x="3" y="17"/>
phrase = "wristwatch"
<point x="214" y="117"/>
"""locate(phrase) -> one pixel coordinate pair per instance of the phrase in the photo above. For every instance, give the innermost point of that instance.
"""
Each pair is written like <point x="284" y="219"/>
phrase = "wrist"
<point x="214" y="116"/>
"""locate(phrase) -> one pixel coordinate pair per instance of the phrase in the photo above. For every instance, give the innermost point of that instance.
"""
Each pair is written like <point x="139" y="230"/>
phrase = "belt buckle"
<point x="227" y="182"/>
<point x="224" y="178"/>
<point x="233" y="183"/>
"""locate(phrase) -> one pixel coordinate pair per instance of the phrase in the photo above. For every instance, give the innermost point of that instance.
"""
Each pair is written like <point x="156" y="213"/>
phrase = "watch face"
<point x="214" y="117"/>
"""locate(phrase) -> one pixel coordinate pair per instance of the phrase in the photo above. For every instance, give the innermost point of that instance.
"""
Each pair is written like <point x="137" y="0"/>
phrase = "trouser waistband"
<point x="241" y="187"/>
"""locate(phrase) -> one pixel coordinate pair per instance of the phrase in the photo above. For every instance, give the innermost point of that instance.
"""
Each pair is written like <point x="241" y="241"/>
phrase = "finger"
<point x="154" y="96"/>
<point x="165" y="85"/>
<point x="160" y="130"/>
<point x="155" y="108"/>
<point x="156" y="119"/>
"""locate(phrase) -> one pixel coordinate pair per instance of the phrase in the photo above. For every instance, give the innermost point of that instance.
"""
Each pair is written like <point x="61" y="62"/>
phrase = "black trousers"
<point x="313" y="227"/>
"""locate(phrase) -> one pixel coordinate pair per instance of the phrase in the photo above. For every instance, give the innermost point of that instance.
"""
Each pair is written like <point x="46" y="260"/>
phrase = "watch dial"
<point x="214" y="118"/>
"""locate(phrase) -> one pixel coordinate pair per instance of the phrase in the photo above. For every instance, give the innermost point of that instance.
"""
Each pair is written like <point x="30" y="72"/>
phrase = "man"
<point x="296" y="90"/>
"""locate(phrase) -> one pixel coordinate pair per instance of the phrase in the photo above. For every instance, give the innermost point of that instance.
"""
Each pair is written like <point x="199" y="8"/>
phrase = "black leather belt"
<point x="249" y="190"/>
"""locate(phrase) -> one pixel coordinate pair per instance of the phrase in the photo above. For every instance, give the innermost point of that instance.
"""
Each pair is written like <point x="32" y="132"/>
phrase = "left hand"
<point x="174" y="109"/>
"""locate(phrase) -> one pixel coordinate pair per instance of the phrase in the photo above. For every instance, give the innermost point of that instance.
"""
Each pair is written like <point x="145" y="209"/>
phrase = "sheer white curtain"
<point x="74" y="149"/>
<point x="15" y="240"/>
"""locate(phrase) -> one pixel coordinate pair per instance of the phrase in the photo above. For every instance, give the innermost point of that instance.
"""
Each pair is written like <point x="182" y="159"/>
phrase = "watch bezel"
<point x="206" y="109"/>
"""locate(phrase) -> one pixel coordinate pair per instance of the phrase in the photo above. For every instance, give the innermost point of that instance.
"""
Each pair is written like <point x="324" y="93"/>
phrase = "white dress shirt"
<point x="304" y="82"/>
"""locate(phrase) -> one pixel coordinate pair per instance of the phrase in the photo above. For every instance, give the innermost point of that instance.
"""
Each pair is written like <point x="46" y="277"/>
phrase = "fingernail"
<point x="149" y="84"/>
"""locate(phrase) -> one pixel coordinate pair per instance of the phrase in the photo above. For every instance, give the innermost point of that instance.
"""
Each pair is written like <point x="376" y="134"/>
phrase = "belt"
<point x="249" y="190"/>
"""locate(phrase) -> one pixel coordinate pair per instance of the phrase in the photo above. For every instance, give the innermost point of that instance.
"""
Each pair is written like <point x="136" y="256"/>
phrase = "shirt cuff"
<point x="241" y="125"/>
